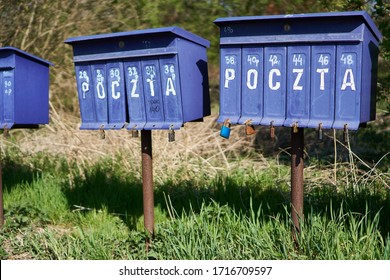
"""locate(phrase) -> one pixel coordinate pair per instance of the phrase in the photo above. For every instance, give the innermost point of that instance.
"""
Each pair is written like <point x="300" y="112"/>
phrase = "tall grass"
<point x="70" y="195"/>
<point x="97" y="214"/>
<point x="218" y="232"/>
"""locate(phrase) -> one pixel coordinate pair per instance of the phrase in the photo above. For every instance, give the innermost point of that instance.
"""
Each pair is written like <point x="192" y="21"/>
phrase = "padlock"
<point x="345" y="134"/>
<point x="272" y="130"/>
<point x="102" y="133"/>
<point x="295" y="127"/>
<point x="249" y="128"/>
<point x="225" y="129"/>
<point x="134" y="133"/>
<point x="171" y="135"/>
<point x="320" y="132"/>
<point x="5" y="132"/>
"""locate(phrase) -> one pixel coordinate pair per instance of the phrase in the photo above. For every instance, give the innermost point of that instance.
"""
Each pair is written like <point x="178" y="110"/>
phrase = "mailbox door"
<point x="298" y="86"/>
<point x="86" y="96"/>
<point x="171" y="92"/>
<point x="135" y="95"/>
<point x="230" y="93"/>
<point x="274" y="85"/>
<point x="252" y="85"/>
<point x="100" y="90"/>
<point x="7" y="98"/>
<point x="322" y="86"/>
<point x="116" y="95"/>
<point x="348" y="86"/>
<point x="153" y="96"/>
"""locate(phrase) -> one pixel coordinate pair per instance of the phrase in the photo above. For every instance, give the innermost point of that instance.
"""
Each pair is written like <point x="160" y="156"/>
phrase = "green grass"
<point x="54" y="210"/>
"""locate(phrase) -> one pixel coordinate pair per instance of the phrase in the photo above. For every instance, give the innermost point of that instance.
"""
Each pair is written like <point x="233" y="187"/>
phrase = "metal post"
<point x="297" y="165"/>
<point x="147" y="183"/>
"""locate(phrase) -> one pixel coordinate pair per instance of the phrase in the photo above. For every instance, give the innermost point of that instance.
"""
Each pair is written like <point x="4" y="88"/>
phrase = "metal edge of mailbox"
<point x="374" y="29"/>
<point x="196" y="100"/>
<point x="239" y="40"/>
<point x="125" y="54"/>
<point x="26" y="54"/>
<point x="173" y="29"/>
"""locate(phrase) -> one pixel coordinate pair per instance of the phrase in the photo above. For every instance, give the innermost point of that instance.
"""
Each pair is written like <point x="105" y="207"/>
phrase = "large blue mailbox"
<point x="24" y="90"/>
<point x="142" y="79"/>
<point x="304" y="70"/>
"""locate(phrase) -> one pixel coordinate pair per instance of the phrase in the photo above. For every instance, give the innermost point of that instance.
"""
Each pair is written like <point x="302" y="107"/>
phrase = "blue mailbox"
<point x="142" y="79"/>
<point x="305" y="70"/>
<point x="24" y="91"/>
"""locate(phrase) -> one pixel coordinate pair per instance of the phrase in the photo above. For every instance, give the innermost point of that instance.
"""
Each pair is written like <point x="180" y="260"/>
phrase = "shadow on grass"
<point x="15" y="173"/>
<point x="101" y="188"/>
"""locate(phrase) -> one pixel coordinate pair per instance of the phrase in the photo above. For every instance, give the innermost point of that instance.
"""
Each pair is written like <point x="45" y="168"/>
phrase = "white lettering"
<point x="250" y="73"/>
<point x="150" y="81"/>
<point x="115" y="95"/>
<point x="296" y="85"/>
<point x="273" y="72"/>
<point x="351" y="82"/>
<point x="170" y="87"/>
<point x="100" y="90"/>
<point x="99" y="87"/>
<point x="134" y="88"/>
<point x="84" y="79"/>
<point x="230" y="75"/>
<point x="322" y="77"/>
<point x="8" y="87"/>
<point x="324" y="59"/>
<point x="274" y="60"/>
<point x="84" y="88"/>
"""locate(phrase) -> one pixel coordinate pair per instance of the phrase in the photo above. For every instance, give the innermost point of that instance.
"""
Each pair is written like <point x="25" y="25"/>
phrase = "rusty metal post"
<point x="297" y="164"/>
<point x="147" y="183"/>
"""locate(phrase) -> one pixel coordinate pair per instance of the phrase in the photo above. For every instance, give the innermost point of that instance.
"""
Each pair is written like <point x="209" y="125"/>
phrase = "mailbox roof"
<point x="363" y="14"/>
<point x="173" y="29"/>
<point x="25" y="54"/>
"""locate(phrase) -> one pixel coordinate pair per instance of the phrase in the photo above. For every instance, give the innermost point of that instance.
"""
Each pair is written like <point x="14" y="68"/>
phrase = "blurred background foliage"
<point x="41" y="26"/>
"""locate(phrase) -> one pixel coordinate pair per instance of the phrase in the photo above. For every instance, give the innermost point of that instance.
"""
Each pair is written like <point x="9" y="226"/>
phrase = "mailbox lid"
<point x="136" y="43"/>
<point x="7" y="60"/>
<point x="313" y="27"/>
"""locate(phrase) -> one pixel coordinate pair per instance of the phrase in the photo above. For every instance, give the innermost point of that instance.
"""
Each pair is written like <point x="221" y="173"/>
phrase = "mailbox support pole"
<point x="297" y="164"/>
<point x="147" y="183"/>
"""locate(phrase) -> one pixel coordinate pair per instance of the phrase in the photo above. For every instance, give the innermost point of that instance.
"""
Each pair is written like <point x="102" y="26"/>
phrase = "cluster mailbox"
<point x="305" y="70"/>
<point x="142" y="79"/>
<point x="24" y="90"/>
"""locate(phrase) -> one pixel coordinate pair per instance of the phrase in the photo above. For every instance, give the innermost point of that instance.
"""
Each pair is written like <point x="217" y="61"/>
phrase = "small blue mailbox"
<point x="24" y="91"/>
<point x="304" y="70"/>
<point x="142" y="79"/>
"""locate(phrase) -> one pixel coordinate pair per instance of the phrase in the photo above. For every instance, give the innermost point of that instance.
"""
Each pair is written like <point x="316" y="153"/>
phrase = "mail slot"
<point x="142" y="79"/>
<point x="24" y="99"/>
<point x="315" y="70"/>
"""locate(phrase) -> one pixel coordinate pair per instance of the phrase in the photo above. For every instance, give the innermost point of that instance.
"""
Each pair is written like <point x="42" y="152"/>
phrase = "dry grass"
<point x="198" y="150"/>
<point x="198" y="147"/>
